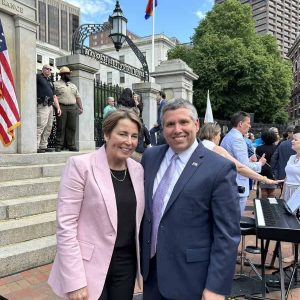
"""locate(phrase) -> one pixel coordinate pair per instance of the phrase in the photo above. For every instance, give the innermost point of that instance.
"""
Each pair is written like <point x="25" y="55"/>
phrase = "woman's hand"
<point x="270" y="181"/>
<point x="81" y="294"/>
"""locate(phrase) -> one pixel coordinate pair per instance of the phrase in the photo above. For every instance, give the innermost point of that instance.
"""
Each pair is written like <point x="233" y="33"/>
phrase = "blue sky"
<point x="175" y="18"/>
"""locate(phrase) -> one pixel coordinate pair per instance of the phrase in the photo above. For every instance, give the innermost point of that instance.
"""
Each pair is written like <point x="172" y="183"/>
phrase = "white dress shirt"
<point x="180" y="165"/>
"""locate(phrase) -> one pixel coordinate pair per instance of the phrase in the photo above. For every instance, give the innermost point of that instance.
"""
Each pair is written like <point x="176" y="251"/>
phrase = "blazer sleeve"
<point x="70" y="198"/>
<point x="225" y="213"/>
<point x="274" y="162"/>
<point x="241" y="154"/>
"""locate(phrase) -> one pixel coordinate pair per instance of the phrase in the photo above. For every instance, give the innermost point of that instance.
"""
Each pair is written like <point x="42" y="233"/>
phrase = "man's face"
<point x="46" y="70"/>
<point x="179" y="129"/>
<point x="111" y="102"/>
<point x="158" y="98"/>
<point x="244" y="126"/>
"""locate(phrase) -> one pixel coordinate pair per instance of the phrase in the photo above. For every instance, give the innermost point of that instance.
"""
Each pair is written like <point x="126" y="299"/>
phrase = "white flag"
<point x="208" y="114"/>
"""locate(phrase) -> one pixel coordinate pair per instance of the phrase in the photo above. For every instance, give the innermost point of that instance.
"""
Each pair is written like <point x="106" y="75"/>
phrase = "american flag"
<point x="9" y="111"/>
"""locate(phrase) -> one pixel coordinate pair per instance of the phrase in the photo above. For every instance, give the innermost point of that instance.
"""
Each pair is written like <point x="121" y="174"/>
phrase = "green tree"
<point x="242" y="70"/>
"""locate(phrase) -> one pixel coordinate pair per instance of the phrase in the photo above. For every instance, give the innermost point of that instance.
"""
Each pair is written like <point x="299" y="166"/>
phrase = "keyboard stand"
<point x="295" y="267"/>
<point x="283" y="295"/>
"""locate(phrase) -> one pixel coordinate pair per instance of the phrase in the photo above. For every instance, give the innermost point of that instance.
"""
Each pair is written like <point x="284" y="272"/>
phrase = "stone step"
<point x="36" y="158"/>
<point x="27" y="206"/>
<point x="30" y="171"/>
<point x="19" y="257"/>
<point x="28" y="228"/>
<point x="28" y="187"/>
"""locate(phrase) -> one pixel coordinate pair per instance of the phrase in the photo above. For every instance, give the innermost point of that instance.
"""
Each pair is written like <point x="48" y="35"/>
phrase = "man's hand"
<point x="81" y="294"/>
<point x="155" y="125"/>
<point x="209" y="295"/>
<point x="253" y="158"/>
<point x="80" y="110"/>
<point x="58" y="111"/>
<point x="262" y="159"/>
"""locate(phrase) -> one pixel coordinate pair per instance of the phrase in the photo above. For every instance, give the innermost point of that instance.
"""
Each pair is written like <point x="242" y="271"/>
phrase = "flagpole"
<point x="153" y="26"/>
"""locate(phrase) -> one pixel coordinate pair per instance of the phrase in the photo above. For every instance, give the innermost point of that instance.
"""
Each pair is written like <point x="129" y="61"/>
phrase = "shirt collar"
<point x="237" y="131"/>
<point x="183" y="156"/>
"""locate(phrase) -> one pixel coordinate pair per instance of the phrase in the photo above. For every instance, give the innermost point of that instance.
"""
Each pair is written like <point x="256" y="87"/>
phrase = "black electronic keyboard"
<point x="275" y="222"/>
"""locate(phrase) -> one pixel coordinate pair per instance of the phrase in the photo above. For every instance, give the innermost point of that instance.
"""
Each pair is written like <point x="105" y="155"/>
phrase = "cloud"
<point x="94" y="8"/>
<point x="200" y="14"/>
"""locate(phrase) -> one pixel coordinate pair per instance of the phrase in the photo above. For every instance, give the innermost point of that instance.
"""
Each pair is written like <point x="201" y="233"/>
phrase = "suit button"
<point x="149" y="220"/>
<point x="162" y="227"/>
<point x="148" y="241"/>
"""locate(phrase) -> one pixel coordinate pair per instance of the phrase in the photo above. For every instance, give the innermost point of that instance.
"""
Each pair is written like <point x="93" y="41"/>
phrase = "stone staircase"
<point x="28" y="195"/>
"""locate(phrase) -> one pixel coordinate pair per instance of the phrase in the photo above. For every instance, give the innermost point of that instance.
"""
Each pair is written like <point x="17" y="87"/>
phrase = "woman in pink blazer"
<point x="100" y="207"/>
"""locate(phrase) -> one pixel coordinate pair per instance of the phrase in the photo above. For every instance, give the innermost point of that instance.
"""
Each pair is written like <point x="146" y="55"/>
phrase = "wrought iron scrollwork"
<point x="140" y="56"/>
<point x="85" y="30"/>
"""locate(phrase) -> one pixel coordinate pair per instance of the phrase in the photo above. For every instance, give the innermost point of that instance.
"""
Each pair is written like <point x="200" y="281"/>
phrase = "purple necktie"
<point x="158" y="201"/>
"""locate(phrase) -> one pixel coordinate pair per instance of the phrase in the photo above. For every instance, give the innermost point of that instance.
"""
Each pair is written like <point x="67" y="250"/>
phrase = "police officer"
<point x="70" y="104"/>
<point x="45" y="100"/>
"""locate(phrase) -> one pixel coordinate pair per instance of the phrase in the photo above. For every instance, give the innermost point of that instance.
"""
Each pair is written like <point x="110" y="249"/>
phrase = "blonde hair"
<point x="209" y="131"/>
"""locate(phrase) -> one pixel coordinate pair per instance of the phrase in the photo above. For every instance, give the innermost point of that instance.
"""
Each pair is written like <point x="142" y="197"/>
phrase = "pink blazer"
<point x="87" y="223"/>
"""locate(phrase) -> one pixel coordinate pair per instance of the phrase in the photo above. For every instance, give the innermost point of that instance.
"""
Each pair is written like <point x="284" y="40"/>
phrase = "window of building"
<point x="64" y="30"/>
<point x="42" y="21"/>
<point x="51" y="62"/>
<point x="53" y="25"/>
<point x="95" y="43"/>
<point x="95" y="36"/>
<point x="39" y="58"/>
<point x="98" y="77"/>
<point x="73" y="25"/>
<point x="109" y="78"/>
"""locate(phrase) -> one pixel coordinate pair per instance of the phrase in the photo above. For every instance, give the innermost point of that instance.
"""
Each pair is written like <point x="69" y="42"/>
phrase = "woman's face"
<point x="296" y="142"/>
<point x="217" y="138"/>
<point x="122" y="141"/>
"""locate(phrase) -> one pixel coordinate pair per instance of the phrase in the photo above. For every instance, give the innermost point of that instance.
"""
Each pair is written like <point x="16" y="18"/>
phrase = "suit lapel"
<point x="104" y="182"/>
<point x="190" y="168"/>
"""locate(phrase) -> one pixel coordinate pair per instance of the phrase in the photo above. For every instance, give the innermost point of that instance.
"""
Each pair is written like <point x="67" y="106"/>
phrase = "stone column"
<point x="26" y="83"/>
<point x="19" y="25"/>
<point x="175" y="78"/>
<point x="148" y="92"/>
<point x="83" y="69"/>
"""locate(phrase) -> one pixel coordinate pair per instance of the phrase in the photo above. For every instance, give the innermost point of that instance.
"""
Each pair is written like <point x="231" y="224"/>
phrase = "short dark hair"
<point x="176" y="104"/>
<point x="162" y="94"/>
<point x="269" y="137"/>
<point x="238" y="117"/>
<point x="290" y="129"/>
<point x="296" y="129"/>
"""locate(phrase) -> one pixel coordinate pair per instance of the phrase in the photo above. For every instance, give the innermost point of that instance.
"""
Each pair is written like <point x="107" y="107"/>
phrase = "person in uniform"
<point x="45" y="100"/>
<point x="71" y="105"/>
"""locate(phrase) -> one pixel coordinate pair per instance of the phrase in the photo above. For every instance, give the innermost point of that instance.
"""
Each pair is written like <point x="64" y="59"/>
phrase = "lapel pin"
<point x="194" y="164"/>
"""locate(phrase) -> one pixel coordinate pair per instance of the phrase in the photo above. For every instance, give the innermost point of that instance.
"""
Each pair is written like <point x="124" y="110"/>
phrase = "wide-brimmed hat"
<point x="64" y="69"/>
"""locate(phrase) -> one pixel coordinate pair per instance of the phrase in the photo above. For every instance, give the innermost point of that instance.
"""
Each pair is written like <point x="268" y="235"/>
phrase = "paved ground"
<point x="32" y="284"/>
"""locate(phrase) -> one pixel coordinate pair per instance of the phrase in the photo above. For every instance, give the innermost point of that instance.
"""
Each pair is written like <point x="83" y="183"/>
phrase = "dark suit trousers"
<point x="66" y="126"/>
<point x="120" y="278"/>
<point x="150" y="288"/>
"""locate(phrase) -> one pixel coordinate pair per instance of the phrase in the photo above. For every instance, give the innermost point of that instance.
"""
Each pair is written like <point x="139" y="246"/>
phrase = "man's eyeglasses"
<point x="49" y="69"/>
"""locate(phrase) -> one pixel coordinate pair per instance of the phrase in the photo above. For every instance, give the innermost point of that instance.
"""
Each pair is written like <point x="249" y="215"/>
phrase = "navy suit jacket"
<point x="199" y="231"/>
<point x="280" y="158"/>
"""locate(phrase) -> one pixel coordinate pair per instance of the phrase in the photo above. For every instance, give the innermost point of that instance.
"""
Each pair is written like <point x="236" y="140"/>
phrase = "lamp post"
<point x="118" y="24"/>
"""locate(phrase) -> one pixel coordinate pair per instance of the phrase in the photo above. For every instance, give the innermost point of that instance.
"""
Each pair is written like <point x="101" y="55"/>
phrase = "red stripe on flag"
<point x="6" y="67"/>
<point x="4" y="136"/>
<point x="3" y="114"/>
<point x="11" y="103"/>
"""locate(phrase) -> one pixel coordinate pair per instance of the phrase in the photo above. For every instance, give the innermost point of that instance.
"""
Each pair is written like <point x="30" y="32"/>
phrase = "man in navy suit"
<point x="282" y="154"/>
<point x="199" y="232"/>
<point x="235" y="144"/>
<point x="161" y="101"/>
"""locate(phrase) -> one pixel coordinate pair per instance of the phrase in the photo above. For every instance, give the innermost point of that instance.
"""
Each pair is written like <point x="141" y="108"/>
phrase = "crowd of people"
<point x="162" y="208"/>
